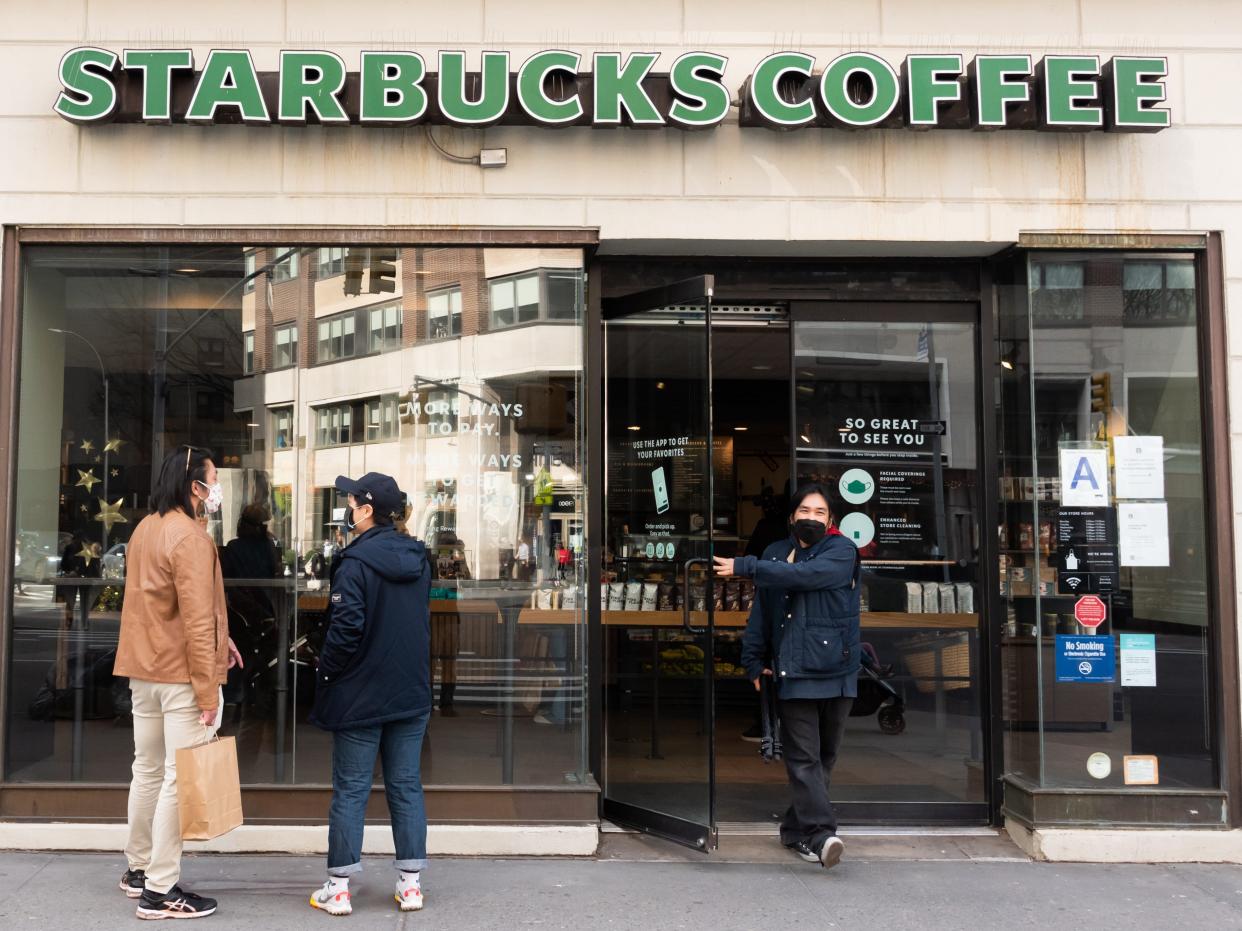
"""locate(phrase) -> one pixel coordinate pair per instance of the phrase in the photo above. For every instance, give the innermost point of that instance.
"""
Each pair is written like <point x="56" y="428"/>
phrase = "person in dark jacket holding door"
<point x="373" y="688"/>
<point x="804" y="630"/>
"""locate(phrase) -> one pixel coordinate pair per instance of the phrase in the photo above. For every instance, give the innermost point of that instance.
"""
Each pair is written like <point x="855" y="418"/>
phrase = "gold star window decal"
<point x="113" y="446"/>
<point x="87" y="480"/>
<point x="110" y="514"/>
<point x="87" y="555"/>
<point x="116" y="472"/>
<point x="87" y="446"/>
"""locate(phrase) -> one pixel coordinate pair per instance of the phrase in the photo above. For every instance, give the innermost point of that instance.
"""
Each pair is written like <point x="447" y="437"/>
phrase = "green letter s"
<point x="89" y="94"/>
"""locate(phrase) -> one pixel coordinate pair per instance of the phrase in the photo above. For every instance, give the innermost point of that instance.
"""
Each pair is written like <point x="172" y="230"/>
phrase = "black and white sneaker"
<point x="803" y="849"/>
<point x="133" y="883"/>
<point x="830" y="853"/>
<point x="175" y="903"/>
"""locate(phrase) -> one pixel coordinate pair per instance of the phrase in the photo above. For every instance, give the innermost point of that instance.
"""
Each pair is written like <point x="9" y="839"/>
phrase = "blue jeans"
<point x="399" y="744"/>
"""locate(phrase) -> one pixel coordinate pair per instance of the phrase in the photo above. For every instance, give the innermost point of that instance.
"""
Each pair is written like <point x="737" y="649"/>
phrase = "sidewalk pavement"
<point x="624" y="888"/>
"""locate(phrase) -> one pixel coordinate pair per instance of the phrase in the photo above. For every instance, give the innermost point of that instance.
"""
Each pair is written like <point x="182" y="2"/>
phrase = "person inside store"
<point x="373" y="688"/>
<point x="252" y="555"/>
<point x="175" y="649"/>
<point x="803" y="631"/>
<point x="771" y="527"/>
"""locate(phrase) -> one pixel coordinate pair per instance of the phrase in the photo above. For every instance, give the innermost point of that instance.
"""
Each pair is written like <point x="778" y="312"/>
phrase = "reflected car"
<point x="35" y="562"/>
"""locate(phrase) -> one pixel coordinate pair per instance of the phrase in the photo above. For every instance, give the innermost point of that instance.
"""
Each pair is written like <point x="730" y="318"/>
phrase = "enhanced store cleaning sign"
<point x="787" y="90"/>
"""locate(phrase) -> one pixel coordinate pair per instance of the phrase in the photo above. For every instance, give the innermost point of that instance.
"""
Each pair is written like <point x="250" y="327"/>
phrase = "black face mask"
<point x="809" y="531"/>
<point x="349" y="519"/>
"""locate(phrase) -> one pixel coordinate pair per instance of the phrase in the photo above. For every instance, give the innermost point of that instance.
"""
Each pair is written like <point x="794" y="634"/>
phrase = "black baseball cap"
<point x="376" y="489"/>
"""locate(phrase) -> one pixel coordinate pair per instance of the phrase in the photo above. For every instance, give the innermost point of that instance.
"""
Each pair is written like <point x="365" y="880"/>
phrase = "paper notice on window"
<point x="1139" y="465"/>
<point x="1141" y="770"/>
<point x="1138" y="660"/>
<point x="1143" y="534"/>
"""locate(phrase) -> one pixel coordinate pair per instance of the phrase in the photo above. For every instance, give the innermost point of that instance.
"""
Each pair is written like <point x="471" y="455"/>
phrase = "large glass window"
<point x="331" y="262"/>
<point x="1103" y="567"/>
<point x="286" y="266"/>
<point x="121" y="363"/>
<point x="286" y="343"/>
<point x="336" y="338"/>
<point x="515" y="300"/>
<point x="444" y="313"/>
<point x="282" y="427"/>
<point x="385" y="328"/>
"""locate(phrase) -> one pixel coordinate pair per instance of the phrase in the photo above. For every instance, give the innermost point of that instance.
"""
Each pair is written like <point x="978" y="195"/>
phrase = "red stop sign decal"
<point x="1090" y="611"/>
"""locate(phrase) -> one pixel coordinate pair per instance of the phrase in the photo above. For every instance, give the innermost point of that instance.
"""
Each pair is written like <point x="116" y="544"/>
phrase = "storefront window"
<point x="1104" y="570"/>
<point x="121" y="362"/>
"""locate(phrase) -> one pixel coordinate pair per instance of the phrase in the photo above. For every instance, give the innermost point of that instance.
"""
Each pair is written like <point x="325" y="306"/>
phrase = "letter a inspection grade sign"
<point x="1084" y="477"/>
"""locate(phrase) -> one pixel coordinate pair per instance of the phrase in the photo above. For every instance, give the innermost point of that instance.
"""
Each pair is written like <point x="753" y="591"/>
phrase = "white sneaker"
<point x="409" y="895"/>
<point x="325" y="900"/>
<point x="830" y="853"/>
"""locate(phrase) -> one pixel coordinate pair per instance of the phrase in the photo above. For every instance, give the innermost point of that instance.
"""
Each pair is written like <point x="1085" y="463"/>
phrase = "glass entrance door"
<point x="885" y="414"/>
<point x="656" y="595"/>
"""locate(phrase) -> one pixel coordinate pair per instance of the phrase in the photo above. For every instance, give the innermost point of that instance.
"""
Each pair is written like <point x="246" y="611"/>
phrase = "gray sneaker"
<point x="830" y="853"/>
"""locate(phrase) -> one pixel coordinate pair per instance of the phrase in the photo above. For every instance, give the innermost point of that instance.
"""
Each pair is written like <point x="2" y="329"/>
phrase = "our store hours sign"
<point x="787" y="90"/>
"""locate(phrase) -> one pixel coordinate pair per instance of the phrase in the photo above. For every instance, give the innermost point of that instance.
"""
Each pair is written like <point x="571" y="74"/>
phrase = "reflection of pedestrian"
<point x="523" y="560"/>
<point x="80" y="560"/>
<point x="449" y="563"/>
<point x="563" y="559"/>
<point x="250" y="555"/>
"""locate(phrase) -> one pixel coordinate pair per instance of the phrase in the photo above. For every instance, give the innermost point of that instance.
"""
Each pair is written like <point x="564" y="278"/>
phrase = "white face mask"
<point x="215" y="497"/>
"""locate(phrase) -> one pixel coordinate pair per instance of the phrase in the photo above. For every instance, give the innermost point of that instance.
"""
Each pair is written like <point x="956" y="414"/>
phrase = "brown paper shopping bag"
<point x="209" y="789"/>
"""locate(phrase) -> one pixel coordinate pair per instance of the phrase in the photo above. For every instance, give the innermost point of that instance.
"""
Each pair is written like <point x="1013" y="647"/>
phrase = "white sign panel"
<point x="1143" y="534"/>
<point x="1138" y="660"/>
<point x="1139" y="463"/>
<point x="1084" y="478"/>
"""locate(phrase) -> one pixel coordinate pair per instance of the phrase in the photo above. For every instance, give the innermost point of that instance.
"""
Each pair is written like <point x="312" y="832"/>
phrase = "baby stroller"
<point x="876" y="696"/>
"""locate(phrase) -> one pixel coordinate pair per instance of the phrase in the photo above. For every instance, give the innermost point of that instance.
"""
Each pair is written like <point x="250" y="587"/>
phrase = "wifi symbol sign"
<point x="1073" y="582"/>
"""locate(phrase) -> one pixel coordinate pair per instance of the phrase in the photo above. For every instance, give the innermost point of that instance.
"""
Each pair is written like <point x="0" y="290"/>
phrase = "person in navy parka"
<point x="804" y="631"/>
<point x="373" y="688"/>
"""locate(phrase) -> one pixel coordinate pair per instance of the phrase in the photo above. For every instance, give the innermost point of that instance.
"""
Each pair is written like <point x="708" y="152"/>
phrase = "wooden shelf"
<point x="890" y="620"/>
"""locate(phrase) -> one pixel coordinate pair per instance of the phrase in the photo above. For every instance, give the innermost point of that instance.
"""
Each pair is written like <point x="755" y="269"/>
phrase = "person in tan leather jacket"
<point x="175" y="650"/>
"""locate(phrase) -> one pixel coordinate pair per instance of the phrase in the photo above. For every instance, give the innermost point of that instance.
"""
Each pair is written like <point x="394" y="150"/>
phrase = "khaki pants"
<point x="165" y="720"/>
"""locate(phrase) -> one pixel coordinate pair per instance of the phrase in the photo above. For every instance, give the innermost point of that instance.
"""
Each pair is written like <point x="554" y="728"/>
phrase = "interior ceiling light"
<point x="741" y="429"/>
<point x="805" y="439"/>
<point x="761" y="368"/>
<point x="634" y="427"/>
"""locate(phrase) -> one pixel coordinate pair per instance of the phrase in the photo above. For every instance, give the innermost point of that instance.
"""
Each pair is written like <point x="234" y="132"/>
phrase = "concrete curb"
<point x="1139" y="845"/>
<point x="462" y="840"/>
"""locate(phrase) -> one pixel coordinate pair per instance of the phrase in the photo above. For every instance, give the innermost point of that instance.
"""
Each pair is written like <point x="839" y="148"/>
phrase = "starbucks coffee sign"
<point x="786" y="91"/>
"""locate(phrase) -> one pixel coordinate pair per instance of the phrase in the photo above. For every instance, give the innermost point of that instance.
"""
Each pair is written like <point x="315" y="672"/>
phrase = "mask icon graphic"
<point x="857" y="486"/>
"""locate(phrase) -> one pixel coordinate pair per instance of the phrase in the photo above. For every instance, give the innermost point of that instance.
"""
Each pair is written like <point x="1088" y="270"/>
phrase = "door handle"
<point x="685" y="601"/>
